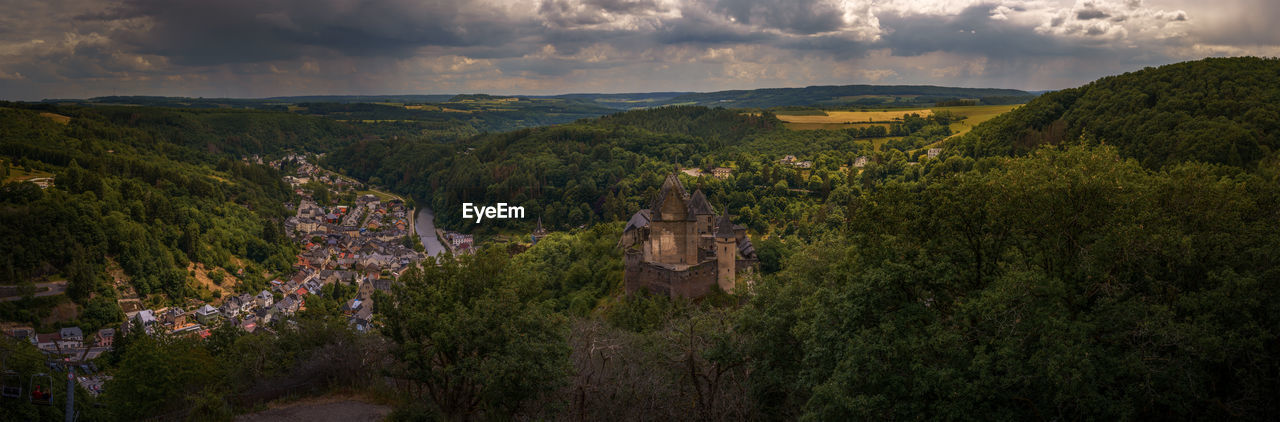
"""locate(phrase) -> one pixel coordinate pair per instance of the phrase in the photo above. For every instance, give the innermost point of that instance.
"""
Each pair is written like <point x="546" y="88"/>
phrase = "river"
<point x="426" y="228"/>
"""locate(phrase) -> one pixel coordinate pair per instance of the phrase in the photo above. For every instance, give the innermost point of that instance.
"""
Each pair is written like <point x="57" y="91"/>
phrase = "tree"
<point x="468" y="332"/>
<point x="157" y="373"/>
<point x="101" y="311"/>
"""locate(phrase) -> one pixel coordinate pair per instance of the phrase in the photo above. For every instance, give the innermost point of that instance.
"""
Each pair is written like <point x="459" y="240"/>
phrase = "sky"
<point x="265" y="48"/>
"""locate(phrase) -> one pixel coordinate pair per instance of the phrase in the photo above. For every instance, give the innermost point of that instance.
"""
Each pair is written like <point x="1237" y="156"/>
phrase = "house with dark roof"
<point x="106" y="337"/>
<point x="265" y="299"/>
<point x="71" y="333"/>
<point x="206" y="314"/>
<point x="48" y="342"/>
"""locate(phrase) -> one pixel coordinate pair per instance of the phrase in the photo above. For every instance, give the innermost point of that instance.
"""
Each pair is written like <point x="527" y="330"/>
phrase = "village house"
<point x="206" y="314"/>
<point x="42" y="182"/>
<point x="106" y="337"/>
<point x="26" y="334"/>
<point x="721" y="172"/>
<point x="173" y="317"/>
<point x="231" y="307"/>
<point x="48" y="342"/>
<point x="287" y="306"/>
<point x="147" y="319"/>
<point x="70" y="338"/>
<point x="265" y="299"/>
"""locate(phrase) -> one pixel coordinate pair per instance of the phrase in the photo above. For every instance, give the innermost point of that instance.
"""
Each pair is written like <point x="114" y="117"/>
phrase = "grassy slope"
<point x="975" y="115"/>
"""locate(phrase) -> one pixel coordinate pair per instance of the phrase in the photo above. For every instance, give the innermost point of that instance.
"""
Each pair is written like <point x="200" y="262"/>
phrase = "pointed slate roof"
<point x="639" y="219"/>
<point x="698" y="204"/>
<point x="672" y="183"/>
<point x="724" y="227"/>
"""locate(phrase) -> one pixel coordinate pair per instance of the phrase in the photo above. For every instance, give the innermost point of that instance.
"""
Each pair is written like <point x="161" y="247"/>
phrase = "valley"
<point x="1099" y="252"/>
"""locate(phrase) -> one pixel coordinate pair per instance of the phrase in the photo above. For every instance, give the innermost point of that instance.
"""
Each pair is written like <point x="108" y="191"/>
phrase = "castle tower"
<point x="672" y="229"/>
<point x="726" y="254"/>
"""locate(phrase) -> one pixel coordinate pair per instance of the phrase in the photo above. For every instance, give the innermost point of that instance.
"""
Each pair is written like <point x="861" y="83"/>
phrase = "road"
<point x="42" y="290"/>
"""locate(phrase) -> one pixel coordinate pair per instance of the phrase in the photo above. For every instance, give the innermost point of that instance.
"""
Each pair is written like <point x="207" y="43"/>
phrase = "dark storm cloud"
<point x="1091" y="14"/>
<point x="702" y="28"/>
<point x="970" y="31"/>
<point x="567" y="13"/>
<point x="835" y="46"/>
<point x="275" y="46"/>
<point x="195" y="32"/>
<point x="795" y="16"/>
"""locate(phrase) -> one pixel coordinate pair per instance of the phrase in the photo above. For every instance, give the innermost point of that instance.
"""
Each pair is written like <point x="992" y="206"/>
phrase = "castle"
<point x="679" y="247"/>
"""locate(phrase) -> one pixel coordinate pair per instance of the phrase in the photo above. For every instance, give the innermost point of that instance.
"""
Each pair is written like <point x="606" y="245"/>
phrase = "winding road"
<point x="42" y="289"/>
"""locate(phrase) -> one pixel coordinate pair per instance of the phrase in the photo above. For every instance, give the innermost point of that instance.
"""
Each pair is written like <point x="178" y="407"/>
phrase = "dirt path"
<point x="321" y="410"/>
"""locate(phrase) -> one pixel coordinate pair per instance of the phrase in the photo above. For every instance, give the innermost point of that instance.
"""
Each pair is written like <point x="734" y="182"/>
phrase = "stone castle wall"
<point x="696" y="281"/>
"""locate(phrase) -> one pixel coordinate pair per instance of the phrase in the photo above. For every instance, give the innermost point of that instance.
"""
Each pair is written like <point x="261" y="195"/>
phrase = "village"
<point x="362" y="246"/>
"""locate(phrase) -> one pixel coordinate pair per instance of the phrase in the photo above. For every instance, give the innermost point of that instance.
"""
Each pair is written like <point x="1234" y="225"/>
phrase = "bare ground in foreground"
<point x="321" y="409"/>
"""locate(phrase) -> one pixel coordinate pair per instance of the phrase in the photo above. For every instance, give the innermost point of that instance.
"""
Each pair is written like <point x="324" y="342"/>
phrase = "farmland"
<point x="836" y="120"/>
<point x="974" y="115"/>
<point x="848" y="118"/>
<point x="830" y="126"/>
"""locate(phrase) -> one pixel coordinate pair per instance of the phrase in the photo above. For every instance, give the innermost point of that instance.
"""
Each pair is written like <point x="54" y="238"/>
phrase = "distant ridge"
<point x="844" y="95"/>
<point x="818" y="95"/>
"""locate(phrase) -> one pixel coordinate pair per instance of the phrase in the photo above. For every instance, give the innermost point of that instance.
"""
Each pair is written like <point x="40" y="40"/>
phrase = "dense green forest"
<point x="1224" y="111"/>
<point x="440" y="118"/>
<point x="603" y="169"/>
<point x="1066" y="284"/>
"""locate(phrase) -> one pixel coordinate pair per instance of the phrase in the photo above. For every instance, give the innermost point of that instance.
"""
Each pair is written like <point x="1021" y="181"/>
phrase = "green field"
<point x="974" y="115"/>
<point x="17" y="174"/>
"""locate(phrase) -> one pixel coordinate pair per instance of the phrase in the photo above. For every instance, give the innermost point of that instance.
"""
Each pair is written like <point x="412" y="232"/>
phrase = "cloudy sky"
<point x="261" y="48"/>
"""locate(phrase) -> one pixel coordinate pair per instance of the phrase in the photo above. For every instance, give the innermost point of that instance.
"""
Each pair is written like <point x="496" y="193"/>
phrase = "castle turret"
<point x="726" y="254"/>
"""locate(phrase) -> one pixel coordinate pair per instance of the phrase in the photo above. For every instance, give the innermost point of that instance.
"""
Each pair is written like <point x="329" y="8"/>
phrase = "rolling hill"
<point x="1217" y="110"/>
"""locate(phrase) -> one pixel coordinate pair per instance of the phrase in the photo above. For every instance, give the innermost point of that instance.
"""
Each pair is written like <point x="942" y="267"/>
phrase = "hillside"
<point x="1224" y="111"/>
<point x="148" y="190"/>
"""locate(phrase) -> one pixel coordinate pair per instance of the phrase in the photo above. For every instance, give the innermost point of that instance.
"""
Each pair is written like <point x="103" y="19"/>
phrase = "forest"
<point x="1217" y="110"/>
<point x="1104" y="252"/>
<point x="602" y="169"/>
